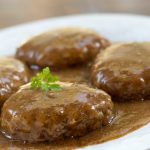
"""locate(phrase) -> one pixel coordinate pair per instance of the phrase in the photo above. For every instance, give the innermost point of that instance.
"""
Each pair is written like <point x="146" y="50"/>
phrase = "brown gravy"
<point x="130" y="116"/>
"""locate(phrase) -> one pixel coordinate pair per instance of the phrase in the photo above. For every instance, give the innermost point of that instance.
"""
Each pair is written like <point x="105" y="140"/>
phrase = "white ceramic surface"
<point x="117" y="28"/>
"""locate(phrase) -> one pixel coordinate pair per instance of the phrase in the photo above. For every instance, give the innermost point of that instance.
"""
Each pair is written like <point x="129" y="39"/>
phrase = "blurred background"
<point x="14" y="12"/>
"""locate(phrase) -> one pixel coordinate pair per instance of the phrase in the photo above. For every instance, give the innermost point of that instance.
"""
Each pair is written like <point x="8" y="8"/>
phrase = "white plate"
<point x="117" y="28"/>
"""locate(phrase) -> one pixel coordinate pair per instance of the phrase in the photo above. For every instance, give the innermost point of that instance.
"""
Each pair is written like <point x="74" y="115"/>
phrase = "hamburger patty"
<point x="13" y="73"/>
<point x="123" y="70"/>
<point x="33" y="115"/>
<point x="61" y="47"/>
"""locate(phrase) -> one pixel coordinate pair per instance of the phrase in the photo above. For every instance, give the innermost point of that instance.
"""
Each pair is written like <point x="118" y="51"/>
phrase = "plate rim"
<point x="138" y="16"/>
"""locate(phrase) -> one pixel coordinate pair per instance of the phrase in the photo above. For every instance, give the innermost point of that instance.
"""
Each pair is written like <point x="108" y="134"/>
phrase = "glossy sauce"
<point x="35" y="116"/>
<point x="123" y="71"/>
<point x="62" y="47"/>
<point x="130" y="116"/>
<point x="76" y="74"/>
<point x="126" y="121"/>
<point x="13" y="74"/>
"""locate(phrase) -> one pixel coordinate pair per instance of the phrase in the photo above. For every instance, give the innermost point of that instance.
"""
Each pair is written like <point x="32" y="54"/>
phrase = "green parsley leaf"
<point x="55" y="87"/>
<point x="45" y="81"/>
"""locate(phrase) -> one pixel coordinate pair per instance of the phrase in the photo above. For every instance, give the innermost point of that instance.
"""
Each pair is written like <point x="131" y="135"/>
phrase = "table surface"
<point x="14" y="12"/>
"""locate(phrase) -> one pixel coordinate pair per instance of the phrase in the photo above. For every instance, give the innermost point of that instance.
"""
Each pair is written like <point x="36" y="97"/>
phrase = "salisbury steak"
<point x="123" y="71"/>
<point x="13" y="73"/>
<point x="61" y="47"/>
<point x="33" y="115"/>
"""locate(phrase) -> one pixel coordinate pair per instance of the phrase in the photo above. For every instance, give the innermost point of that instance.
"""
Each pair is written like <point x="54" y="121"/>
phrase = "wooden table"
<point x="14" y="12"/>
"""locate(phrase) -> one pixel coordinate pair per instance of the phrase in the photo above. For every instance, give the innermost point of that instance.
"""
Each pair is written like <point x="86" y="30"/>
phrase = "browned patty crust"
<point x="13" y="73"/>
<point x="33" y="115"/>
<point x="123" y="70"/>
<point x="62" y="47"/>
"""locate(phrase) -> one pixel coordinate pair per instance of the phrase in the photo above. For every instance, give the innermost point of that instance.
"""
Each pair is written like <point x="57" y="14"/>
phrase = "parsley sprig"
<point x="45" y="81"/>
